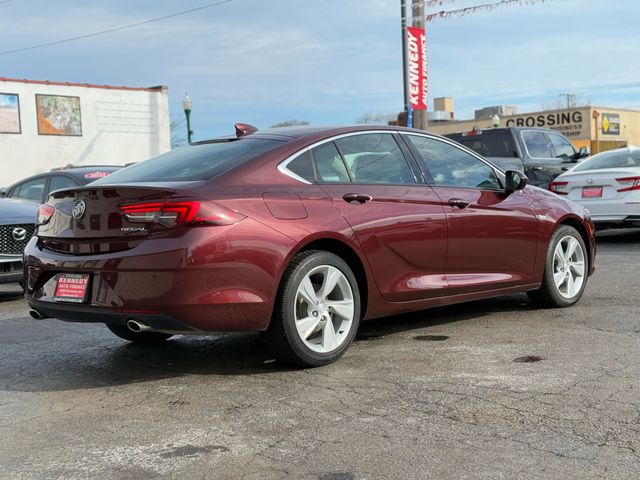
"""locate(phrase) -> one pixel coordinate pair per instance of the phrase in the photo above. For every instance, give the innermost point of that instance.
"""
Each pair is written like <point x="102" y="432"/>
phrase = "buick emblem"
<point x="78" y="210"/>
<point x="19" y="234"/>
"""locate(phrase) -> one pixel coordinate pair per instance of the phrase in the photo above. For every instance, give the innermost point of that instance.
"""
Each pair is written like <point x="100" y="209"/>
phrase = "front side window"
<point x="375" y="158"/>
<point x="562" y="146"/>
<point x="452" y="166"/>
<point x="537" y="144"/>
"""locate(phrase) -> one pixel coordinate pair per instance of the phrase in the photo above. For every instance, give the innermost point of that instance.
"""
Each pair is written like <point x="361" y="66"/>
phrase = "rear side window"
<point x="375" y="158"/>
<point x="199" y="162"/>
<point x="331" y="168"/>
<point x="32" y="190"/>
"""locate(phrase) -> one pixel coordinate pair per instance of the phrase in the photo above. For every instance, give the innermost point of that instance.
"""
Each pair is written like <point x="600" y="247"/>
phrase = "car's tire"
<point x="147" y="338"/>
<point x="565" y="271"/>
<point x="317" y="310"/>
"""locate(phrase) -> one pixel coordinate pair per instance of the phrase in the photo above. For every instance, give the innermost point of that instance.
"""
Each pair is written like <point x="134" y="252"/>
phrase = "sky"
<point x="328" y="62"/>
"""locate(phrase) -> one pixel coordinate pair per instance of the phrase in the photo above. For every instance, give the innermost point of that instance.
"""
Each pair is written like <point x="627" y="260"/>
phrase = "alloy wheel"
<point x="324" y="309"/>
<point x="568" y="267"/>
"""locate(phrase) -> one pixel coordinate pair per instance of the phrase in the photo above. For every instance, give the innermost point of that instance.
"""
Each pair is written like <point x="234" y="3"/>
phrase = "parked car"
<point x="37" y="187"/>
<point x="17" y="224"/>
<point x="542" y="154"/>
<point x="301" y="233"/>
<point x="608" y="184"/>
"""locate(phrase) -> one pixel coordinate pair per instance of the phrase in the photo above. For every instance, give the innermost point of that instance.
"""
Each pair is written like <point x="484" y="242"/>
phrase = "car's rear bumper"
<point x="87" y="314"/>
<point x="211" y="281"/>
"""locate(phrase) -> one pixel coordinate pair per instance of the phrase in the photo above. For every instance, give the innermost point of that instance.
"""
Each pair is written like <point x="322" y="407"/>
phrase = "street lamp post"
<point x="186" y="105"/>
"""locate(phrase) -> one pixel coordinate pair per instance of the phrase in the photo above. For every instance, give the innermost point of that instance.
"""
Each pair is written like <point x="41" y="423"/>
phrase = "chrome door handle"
<point x="458" y="203"/>
<point x="356" y="198"/>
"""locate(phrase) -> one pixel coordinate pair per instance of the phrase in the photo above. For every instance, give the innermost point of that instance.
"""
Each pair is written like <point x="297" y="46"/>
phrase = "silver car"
<point x="608" y="185"/>
<point x="17" y="224"/>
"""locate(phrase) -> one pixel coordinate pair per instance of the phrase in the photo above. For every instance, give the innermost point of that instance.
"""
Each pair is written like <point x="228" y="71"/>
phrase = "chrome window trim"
<point x="282" y="166"/>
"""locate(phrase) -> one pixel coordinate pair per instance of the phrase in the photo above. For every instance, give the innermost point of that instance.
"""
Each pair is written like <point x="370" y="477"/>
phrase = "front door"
<point x="492" y="234"/>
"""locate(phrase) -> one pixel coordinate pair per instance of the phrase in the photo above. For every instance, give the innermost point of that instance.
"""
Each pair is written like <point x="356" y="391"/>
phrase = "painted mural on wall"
<point x="58" y="115"/>
<point x="9" y="113"/>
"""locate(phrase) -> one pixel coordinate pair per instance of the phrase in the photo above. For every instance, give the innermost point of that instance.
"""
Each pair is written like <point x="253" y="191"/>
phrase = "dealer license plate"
<point x="591" y="192"/>
<point x="71" y="287"/>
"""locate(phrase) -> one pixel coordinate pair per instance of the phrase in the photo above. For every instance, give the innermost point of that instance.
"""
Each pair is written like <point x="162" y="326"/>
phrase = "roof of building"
<point x="158" y="88"/>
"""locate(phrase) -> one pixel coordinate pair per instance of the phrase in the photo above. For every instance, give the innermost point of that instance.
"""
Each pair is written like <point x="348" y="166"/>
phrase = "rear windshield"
<point x="198" y="162"/>
<point x="617" y="159"/>
<point x="492" y="145"/>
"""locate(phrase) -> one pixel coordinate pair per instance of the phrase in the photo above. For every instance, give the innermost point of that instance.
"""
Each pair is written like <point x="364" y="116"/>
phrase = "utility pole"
<point x="417" y="10"/>
<point x="405" y="80"/>
<point x="571" y="99"/>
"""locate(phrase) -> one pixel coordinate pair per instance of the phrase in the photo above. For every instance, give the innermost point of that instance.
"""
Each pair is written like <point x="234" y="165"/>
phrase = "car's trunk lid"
<point x="90" y="220"/>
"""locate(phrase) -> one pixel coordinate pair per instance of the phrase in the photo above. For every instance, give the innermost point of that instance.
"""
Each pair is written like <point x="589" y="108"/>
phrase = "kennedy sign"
<point x="417" y="65"/>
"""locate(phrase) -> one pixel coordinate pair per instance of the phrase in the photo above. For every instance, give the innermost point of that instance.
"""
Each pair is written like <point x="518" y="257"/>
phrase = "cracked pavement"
<point x="77" y="402"/>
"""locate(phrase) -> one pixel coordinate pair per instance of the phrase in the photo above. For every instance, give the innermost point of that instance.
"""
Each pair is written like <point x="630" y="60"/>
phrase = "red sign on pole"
<point x="417" y="66"/>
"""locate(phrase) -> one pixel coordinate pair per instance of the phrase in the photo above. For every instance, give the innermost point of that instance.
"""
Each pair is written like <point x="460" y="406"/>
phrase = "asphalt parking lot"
<point x="436" y="394"/>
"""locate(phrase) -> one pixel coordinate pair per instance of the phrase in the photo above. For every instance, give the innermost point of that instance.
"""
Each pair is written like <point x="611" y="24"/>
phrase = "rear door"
<point x="492" y="234"/>
<point x="398" y="220"/>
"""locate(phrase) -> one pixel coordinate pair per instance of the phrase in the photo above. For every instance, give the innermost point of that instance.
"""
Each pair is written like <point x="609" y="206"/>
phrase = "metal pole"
<point x="420" y="116"/>
<point x="405" y="79"/>
<point x="187" y="113"/>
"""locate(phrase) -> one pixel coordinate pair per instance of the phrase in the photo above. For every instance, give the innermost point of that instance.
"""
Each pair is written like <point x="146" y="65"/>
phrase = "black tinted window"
<point x="199" y="162"/>
<point x="491" y="145"/>
<point x="59" y="181"/>
<point x="452" y="166"/>
<point x="375" y="158"/>
<point x="302" y="166"/>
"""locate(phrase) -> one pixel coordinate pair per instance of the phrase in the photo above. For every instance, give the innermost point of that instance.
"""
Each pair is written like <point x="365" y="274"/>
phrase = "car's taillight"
<point x="174" y="214"/>
<point x="559" y="187"/>
<point x="45" y="212"/>
<point x="630" y="183"/>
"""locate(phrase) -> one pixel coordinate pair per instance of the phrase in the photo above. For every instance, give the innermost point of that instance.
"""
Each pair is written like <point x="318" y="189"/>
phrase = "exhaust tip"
<point x="35" y="315"/>
<point x="135" y="326"/>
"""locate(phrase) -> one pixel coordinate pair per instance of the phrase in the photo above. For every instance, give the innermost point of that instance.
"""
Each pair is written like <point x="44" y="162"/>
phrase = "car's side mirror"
<point x="515" y="181"/>
<point x="583" y="153"/>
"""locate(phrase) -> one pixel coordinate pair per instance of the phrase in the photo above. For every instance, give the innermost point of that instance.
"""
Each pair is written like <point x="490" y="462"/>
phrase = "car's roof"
<point x="80" y="170"/>
<point x="302" y="132"/>
<point x="77" y="172"/>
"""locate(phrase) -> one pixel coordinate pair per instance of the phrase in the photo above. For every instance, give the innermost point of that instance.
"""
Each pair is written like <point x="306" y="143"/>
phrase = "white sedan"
<point x="608" y="184"/>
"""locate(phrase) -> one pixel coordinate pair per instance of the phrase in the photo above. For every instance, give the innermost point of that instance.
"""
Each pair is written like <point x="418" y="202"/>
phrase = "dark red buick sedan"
<point x="301" y="233"/>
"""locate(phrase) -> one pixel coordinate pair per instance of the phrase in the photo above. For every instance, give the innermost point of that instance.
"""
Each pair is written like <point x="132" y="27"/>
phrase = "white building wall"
<point x="119" y="126"/>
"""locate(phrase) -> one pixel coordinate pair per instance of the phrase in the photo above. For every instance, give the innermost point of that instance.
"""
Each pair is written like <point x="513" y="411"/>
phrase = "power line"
<point x="114" y="29"/>
<point x="4" y="1"/>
